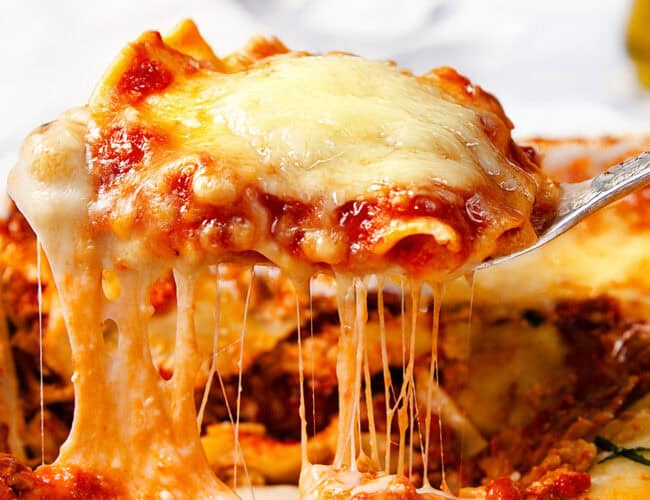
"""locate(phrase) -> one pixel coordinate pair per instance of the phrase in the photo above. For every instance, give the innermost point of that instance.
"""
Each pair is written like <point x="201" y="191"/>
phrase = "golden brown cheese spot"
<point x="185" y="38"/>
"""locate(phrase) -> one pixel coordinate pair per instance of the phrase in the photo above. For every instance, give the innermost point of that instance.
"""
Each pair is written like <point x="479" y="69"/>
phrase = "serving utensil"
<point x="581" y="199"/>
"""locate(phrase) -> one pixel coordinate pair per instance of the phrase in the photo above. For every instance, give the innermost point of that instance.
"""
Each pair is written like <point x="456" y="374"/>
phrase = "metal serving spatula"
<point x="580" y="199"/>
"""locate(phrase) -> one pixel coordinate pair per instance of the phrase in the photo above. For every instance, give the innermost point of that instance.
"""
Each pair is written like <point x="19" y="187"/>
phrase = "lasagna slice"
<point x="314" y="163"/>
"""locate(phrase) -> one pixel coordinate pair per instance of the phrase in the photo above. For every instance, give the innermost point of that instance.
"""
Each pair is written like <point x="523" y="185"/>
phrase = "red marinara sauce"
<point x="503" y="488"/>
<point x="143" y="77"/>
<point x="17" y="481"/>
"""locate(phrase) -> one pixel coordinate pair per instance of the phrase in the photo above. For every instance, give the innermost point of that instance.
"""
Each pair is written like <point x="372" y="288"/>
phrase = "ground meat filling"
<point x="16" y="479"/>
<point x="271" y="392"/>
<point x="610" y="362"/>
<point x="608" y="359"/>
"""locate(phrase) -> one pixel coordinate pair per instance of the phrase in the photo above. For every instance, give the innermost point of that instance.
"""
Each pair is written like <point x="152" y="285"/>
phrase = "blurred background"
<point x="560" y="67"/>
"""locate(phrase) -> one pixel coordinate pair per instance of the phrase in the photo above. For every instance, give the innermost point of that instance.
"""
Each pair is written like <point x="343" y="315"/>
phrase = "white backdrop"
<point x="558" y="66"/>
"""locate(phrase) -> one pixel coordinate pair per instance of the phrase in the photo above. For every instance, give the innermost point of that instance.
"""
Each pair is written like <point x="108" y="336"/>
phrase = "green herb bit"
<point x="617" y="451"/>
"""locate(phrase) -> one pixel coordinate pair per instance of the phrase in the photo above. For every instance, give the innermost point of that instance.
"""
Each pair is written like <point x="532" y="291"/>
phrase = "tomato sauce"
<point x="143" y="77"/>
<point x="119" y="149"/>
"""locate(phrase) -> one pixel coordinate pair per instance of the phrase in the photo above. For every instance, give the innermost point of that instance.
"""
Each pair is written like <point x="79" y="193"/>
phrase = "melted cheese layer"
<point x="334" y="126"/>
<point x="310" y="161"/>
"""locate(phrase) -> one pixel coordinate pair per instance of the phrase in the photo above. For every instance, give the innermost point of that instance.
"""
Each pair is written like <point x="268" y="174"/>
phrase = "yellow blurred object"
<point x="638" y="39"/>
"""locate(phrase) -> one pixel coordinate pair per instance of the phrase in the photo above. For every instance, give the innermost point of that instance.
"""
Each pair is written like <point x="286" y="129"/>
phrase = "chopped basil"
<point x="616" y="451"/>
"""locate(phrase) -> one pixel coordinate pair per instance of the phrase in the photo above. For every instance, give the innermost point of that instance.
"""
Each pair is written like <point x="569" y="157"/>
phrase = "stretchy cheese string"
<point x="388" y="384"/>
<point x="361" y="317"/>
<point x="213" y="367"/>
<point x="301" y="378"/>
<point x="228" y="409"/>
<point x="411" y="400"/>
<point x="407" y="383"/>
<point x="345" y="369"/>
<point x="239" y="379"/>
<point x="352" y="306"/>
<point x="432" y="370"/>
<point x="370" y="410"/>
<point x="403" y="324"/>
<point x="186" y="355"/>
<point x="350" y="436"/>
<point x="471" y="308"/>
<point x="231" y="418"/>
<point x="126" y="417"/>
<point x="40" y="348"/>
<point x="401" y="412"/>
<point x="165" y="417"/>
<point x="415" y="303"/>
<point x="225" y="398"/>
<point x="350" y="408"/>
<point x="418" y="423"/>
<point x="467" y="350"/>
<point x="90" y="375"/>
<point x="402" y="423"/>
<point x="313" y="357"/>
<point x="359" y="327"/>
<point x="345" y="477"/>
<point x="214" y="351"/>
<point x="437" y="297"/>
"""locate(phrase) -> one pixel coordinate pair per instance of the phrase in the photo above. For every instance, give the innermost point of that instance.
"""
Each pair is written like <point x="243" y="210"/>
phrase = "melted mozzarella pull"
<point x="130" y="425"/>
